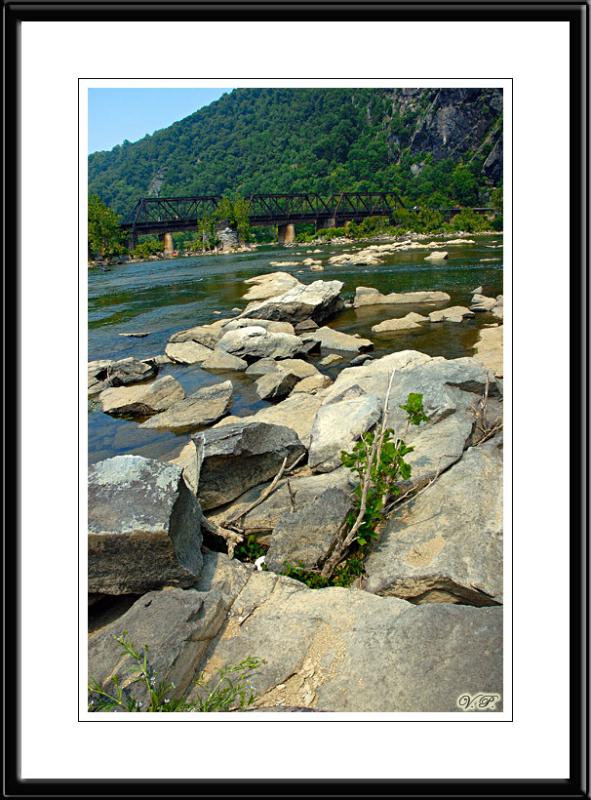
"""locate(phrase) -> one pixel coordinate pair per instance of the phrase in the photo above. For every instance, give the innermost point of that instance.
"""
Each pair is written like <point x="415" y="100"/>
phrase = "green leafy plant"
<point x="378" y="460"/>
<point x="231" y="690"/>
<point x="414" y="409"/>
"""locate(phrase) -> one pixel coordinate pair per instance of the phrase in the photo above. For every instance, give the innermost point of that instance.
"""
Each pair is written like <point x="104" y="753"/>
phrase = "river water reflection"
<point x="162" y="297"/>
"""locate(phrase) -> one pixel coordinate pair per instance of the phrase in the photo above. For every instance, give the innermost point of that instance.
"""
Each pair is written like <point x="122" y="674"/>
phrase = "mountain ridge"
<point x="433" y="146"/>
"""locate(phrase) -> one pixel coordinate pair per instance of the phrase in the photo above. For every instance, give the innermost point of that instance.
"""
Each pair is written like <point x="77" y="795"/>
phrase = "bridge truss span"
<point x="161" y="215"/>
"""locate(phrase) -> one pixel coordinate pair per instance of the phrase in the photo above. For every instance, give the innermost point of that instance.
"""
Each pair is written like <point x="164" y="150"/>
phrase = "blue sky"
<point x="118" y="114"/>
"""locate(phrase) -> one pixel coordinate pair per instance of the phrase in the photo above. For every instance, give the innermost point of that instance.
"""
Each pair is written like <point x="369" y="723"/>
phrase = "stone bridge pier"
<point x="286" y="233"/>
<point x="168" y="243"/>
<point x="325" y="222"/>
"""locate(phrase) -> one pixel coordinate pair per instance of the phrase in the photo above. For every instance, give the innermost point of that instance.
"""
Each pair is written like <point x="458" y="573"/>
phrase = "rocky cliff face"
<point x="450" y="123"/>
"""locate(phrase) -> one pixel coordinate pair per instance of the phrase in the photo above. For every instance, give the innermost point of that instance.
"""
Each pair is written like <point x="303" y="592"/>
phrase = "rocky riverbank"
<point x="421" y="625"/>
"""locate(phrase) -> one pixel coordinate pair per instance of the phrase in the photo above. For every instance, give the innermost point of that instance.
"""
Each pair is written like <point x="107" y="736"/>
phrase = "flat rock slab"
<point x="200" y="409"/>
<point x="296" y="412"/>
<point x="142" y="399"/>
<point x="317" y="301"/>
<point x="489" y="349"/>
<point x="330" y="339"/>
<point x="438" y="255"/>
<point x="254" y="342"/>
<point x="407" y="323"/>
<point x="451" y="314"/>
<point x="365" y="296"/>
<point x="330" y="359"/>
<point x="446" y="545"/>
<point x="348" y="650"/>
<point x="295" y="366"/>
<point x="235" y="457"/>
<point x="267" y="324"/>
<point x="207" y="335"/>
<point x="144" y="527"/>
<point x="312" y="385"/>
<point x="188" y="352"/>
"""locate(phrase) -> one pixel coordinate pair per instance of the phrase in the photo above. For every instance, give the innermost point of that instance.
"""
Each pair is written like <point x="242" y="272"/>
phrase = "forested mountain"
<point x="435" y="146"/>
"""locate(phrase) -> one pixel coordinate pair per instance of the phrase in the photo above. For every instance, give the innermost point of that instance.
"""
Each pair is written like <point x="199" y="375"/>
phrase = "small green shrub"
<point x="231" y="690"/>
<point x="150" y="247"/>
<point x="468" y="220"/>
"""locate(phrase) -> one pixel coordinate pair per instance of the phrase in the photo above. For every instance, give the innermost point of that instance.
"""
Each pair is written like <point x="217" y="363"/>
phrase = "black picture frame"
<point x="576" y="15"/>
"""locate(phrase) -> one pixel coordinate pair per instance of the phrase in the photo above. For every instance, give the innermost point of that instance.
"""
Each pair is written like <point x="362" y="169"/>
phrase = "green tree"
<point x="105" y="237"/>
<point x="234" y="209"/>
<point x="206" y="234"/>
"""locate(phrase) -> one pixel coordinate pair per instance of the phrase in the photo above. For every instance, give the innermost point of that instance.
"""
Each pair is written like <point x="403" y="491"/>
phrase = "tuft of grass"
<point x="231" y="690"/>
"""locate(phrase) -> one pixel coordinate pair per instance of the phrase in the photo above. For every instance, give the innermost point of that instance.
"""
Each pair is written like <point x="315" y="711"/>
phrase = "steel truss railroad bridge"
<point x="165" y="215"/>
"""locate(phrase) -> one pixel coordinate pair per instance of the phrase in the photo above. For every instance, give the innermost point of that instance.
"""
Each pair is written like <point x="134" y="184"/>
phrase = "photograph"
<point x="296" y="455"/>
<point x="296" y="493"/>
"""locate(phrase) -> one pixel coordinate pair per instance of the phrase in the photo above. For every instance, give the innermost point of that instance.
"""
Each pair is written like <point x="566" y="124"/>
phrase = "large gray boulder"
<point x="292" y="495"/>
<point x="446" y="545"/>
<point x="270" y="284"/>
<point x="337" y="427"/>
<point x="366" y="296"/>
<point x="330" y="339"/>
<point x="275" y="385"/>
<point x="254" y="342"/>
<point x="177" y="626"/>
<point x="277" y="378"/>
<point x="200" y="409"/>
<point x="307" y="536"/>
<point x="235" y="457"/>
<point x="348" y="650"/>
<point x="318" y="300"/>
<point x="142" y="399"/>
<point x="144" y="527"/>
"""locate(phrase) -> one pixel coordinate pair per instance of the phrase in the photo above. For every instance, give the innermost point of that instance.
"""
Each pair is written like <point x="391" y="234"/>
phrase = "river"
<point x="162" y="297"/>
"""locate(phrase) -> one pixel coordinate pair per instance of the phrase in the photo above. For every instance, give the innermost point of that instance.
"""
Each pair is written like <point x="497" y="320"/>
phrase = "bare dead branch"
<point x="238" y="515"/>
